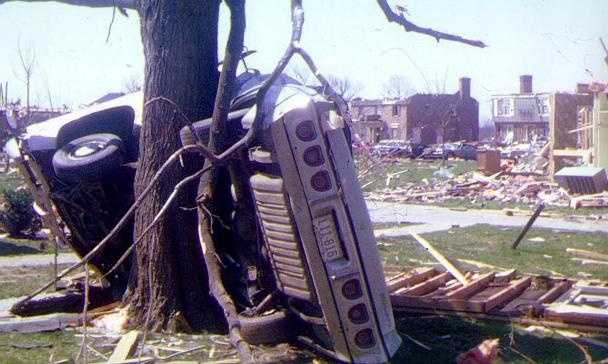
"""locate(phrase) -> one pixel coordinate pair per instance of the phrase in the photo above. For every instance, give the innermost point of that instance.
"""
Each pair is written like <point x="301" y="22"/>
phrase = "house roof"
<point x="378" y="102"/>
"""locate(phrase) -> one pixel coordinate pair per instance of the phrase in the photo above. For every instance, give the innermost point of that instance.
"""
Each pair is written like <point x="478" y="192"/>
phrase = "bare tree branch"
<point x="345" y="87"/>
<point x="28" y="62"/>
<point x="124" y="4"/>
<point x="393" y="17"/>
<point x="397" y="87"/>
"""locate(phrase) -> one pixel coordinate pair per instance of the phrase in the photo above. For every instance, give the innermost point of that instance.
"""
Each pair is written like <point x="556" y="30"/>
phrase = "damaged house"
<point x="521" y="117"/>
<point x="421" y="118"/>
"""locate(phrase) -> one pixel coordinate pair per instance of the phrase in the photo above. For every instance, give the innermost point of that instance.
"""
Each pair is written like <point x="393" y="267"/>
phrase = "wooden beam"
<point x="552" y="294"/>
<point x="571" y="152"/>
<point x="508" y="293"/>
<point x="407" y="281"/>
<point x="440" y="258"/>
<point x="428" y="285"/>
<point x="587" y="254"/>
<point x="472" y="287"/>
<point x="125" y="347"/>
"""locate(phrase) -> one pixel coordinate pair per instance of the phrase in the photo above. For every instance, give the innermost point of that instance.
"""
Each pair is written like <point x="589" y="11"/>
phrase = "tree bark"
<point x="180" y="48"/>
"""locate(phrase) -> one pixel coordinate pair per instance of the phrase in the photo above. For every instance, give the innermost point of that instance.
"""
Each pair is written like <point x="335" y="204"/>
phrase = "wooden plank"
<point x="577" y="314"/>
<point x="440" y="258"/>
<point x="587" y="254"/>
<point x="125" y="347"/>
<point x="39" y="323"/>
<point x="592" y="289"/>
<point x="552" y="294"/>
<point x="428" y="285"/>
<point x="506" y="276"/>
<point x="414" y="279"/>
<point x="472" y="287"/>
<point x="508" y="293"/>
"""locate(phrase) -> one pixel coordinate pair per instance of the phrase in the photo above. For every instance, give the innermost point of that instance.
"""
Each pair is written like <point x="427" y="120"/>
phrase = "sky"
<point x="557" y="41"/>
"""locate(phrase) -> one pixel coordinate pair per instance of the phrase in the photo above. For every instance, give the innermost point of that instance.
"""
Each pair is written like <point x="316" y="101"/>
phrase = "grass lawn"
<point x="492" y="245"/>
<point x="38" y="347"/>
<point x="373" y="175"/>
<point x="20" y="281"/>
<point x="11" y="180"/>
<point x="448" y="336"/>
<point x="12" y="246"/>
<point x="445" y="338"/>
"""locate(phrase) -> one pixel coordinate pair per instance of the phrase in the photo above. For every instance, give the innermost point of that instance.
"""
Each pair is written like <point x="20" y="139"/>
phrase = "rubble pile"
<point x="474" y="187"/>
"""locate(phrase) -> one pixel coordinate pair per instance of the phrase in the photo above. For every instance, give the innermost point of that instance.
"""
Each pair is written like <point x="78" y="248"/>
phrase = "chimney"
<point x="525" y="84"/>
<point x="582" y="88"/>
<point x="464" y="87"/>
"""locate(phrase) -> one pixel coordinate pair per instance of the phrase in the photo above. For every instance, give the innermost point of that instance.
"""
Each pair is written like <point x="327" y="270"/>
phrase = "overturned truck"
<point x="309" y="248"/>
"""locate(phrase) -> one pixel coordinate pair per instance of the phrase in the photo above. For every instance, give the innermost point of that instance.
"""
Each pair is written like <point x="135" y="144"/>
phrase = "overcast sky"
<point x="554" y="40"/>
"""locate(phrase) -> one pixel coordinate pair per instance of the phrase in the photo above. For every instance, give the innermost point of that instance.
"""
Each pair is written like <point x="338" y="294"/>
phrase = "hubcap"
<point x="87" y="149"/>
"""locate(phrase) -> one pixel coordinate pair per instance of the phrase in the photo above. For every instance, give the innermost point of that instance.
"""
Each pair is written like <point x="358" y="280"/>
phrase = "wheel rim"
<point x="87" y="149"/>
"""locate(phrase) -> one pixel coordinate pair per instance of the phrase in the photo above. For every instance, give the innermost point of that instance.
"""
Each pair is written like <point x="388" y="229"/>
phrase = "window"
<point x="396" y="110"/>
<point x="503" y="107"/>
<point x="543" y="106"/>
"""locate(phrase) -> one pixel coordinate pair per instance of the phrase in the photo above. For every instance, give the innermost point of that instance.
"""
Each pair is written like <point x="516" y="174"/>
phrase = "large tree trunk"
<point x="180" y="47"/>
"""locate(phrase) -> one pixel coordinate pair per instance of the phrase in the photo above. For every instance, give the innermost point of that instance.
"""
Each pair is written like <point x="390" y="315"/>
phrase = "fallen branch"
<point x="393" y="17"/>
<point x="217" y="288"/>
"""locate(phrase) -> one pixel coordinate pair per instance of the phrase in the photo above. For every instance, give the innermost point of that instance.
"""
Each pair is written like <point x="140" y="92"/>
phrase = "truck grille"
<point x="281" y="237"/>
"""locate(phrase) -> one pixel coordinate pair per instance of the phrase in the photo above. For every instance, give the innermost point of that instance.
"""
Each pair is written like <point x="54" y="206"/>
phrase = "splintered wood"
<point x="503" y="294"/>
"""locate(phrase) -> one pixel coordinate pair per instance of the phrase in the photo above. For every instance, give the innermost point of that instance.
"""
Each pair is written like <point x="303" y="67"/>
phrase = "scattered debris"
<point x="477" y="188"/>
<point x="596" y="200"/>
<point x="537" y="239"/>
<point x="484" y="353"/>
<point x="507" y="295"/>
<point x="587" y="254"/>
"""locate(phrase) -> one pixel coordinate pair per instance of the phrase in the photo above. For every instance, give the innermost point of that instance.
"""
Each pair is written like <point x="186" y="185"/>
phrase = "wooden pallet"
<point x="502" y="294"/>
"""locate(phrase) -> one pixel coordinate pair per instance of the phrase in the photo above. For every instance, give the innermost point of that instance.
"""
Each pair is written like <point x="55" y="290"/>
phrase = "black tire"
<point x="105" y="155"/>
<point x="270" y="329"/>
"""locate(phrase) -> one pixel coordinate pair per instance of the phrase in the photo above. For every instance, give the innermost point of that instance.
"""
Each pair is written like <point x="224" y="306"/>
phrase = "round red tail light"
<point x="358" y="314"/>
<point x="320" y="181"/>
<point x="365" y="338"/>
<point x="306" y="131"/>
<point x="313" y="156"/>
<point x="352" y="289"/>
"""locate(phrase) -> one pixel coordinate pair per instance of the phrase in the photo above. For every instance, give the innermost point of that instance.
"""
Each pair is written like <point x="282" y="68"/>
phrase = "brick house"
<point x="426" y="118"/>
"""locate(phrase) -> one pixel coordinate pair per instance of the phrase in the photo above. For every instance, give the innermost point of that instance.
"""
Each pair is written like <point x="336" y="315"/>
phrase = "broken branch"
<point x="124" y="4"/>
<point x="393" y="17"/>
